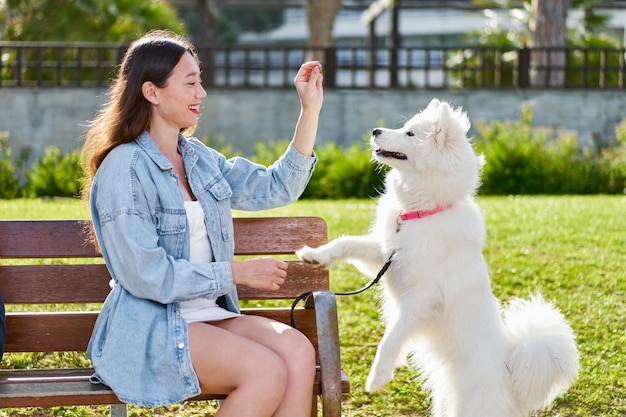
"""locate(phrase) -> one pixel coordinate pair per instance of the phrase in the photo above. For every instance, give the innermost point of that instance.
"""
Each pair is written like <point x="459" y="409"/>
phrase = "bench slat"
<point x="58" y="387"/>
<point x="57" y="284"/>
<point x="45" y="239"/>
<point x="70" y="331"/>
<point x="70" y="238"/>
<point x="49" y="332"/>
<point x="286" y="234"/>
<point x="54" y="284"/>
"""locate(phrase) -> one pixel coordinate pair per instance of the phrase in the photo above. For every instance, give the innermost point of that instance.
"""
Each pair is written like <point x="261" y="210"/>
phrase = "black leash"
<point x="306" y="295"/>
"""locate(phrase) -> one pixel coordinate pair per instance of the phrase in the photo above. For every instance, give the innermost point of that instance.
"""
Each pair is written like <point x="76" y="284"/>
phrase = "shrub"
<point x="8" y="169"/>
<point x="614" y="159"/>
<point x="345" y="173"/>
<point x="524" y="159"/>
<point x="55" y="174"/>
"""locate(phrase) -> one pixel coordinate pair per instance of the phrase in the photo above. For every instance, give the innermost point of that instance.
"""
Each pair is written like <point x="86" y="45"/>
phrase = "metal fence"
<point x="47" y="64"/>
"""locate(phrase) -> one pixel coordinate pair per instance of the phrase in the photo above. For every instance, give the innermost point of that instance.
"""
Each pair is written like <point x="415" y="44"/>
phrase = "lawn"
<point x="572" y="249"/>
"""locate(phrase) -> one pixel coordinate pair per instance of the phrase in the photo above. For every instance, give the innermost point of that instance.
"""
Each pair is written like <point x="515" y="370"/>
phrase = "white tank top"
<point x="200" y="309"/>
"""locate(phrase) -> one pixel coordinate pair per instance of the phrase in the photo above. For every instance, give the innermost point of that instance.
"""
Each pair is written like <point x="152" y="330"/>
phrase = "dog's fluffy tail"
<point x="543" y="361"/>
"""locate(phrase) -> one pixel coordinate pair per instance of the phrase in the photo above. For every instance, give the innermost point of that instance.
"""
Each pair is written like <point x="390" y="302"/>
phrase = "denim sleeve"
<point x="138" y="261"/>
<point x="256" y="187"/>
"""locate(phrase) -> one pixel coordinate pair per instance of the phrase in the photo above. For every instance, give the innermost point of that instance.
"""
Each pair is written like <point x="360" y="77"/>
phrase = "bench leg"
<point x="329" y="355"/>
<point x="119" y="410"/>
<point x="314" y="406"/>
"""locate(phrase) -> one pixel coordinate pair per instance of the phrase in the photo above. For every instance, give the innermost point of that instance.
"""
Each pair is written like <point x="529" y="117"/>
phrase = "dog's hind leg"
<point x="386" y="360"/>
<point x="409" y="318"/>
<point x="389" y="355"/>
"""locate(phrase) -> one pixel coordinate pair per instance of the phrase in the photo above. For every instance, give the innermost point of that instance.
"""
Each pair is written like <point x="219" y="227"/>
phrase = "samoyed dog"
<point x="477" y="358"/>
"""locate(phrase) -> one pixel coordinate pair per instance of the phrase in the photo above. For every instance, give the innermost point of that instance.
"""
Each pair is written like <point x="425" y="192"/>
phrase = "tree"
<point x="547" y="29"/>
<point x="232" y="21"/>
<point x="321" y="18"/>
<point x="210" y="24"/>
<point x="540" y="24"/>
<point x="85" y="20"/>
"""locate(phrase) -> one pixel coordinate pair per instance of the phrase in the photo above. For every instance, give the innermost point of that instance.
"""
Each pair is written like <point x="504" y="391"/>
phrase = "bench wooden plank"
<point x="45" y="239"/>
<point x="58" y="387"/>
<point x="287" y="234"/>
<point x="60" y="284"/>
<point x="70" y="238"/>
<point x="70" y="331"/>
<point x="54" y="284"/>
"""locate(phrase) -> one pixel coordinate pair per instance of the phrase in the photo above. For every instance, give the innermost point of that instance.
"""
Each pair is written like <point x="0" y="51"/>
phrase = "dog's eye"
<point x="410" y="133"/>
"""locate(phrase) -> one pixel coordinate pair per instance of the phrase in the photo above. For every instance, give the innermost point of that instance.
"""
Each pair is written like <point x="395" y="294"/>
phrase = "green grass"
<point x="572" y="249"/>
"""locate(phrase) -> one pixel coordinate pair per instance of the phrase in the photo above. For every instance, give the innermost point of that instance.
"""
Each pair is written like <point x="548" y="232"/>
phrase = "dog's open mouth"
<point x="389" y="154"/>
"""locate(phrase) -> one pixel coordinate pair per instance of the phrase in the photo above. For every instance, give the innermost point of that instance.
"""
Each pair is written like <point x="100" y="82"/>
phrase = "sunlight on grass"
<point x="572" y="249"/>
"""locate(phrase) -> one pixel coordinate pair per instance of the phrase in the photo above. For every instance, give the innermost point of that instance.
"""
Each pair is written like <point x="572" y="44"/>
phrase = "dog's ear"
<point x="449" y="125"/>
<point x="434" y="103"/>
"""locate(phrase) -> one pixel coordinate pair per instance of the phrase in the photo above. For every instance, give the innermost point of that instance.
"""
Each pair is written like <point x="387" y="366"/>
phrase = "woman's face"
<point x="178" y="103"/>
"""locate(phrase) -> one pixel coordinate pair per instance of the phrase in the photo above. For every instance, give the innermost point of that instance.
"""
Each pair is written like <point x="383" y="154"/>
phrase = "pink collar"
<point x="412" y="215"/>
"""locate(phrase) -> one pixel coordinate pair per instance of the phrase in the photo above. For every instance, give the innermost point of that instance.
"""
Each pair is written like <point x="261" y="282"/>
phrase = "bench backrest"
<point x="84" y="279"/>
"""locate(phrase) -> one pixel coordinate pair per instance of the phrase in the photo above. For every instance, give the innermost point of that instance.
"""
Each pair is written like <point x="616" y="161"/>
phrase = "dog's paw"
<point x="377" y="379"/>
<point x="310" y="256"/>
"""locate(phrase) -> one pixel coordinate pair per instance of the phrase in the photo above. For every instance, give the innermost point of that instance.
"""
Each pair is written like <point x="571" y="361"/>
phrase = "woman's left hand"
<point x="308" y="84"/>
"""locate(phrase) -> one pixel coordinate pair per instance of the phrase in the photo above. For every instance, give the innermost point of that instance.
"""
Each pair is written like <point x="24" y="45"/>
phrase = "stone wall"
<point x="36" y="118"/>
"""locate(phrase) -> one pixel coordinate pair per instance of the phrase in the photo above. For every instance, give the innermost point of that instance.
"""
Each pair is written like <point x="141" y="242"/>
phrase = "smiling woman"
<point x="175" y="273"/>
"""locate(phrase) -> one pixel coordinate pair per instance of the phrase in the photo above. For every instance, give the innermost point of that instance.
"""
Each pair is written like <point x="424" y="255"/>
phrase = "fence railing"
<point x="46" y="64"/>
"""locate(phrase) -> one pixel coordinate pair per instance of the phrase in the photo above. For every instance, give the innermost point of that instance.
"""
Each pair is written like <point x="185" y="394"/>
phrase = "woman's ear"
<point x="149" y="92"/>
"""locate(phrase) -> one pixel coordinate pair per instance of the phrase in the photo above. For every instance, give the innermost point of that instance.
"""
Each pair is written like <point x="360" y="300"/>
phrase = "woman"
<point x="160" y="202"/>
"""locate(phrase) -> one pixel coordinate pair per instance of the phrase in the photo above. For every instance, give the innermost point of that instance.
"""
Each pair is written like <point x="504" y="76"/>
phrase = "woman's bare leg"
<point x="296" y="352"/>
<point x="253" y="377"/>
<point x="264" y="366"/>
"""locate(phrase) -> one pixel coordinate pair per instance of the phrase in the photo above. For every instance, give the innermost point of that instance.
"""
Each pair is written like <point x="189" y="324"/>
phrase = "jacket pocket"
<point x="171" y="225"/>
<point x="221" y="193"/>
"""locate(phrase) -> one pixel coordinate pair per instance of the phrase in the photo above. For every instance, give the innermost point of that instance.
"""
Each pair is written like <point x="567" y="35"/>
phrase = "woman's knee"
<point x="302" y="356"/>
<point x="270" y="378"/>
<point x="274" y="369"/>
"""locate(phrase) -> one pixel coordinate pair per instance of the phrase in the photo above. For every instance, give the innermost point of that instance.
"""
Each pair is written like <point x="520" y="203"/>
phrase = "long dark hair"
<point x="126" y="113"/>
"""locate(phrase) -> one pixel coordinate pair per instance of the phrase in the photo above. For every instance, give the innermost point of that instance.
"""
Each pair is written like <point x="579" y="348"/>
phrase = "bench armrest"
<point x="325" y="306"/>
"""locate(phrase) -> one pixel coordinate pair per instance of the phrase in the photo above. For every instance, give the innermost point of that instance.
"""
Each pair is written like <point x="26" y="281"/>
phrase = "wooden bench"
<point x="83" y="280"/>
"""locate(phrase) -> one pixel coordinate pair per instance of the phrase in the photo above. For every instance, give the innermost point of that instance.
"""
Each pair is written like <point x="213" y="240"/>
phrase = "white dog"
<point x="477" y="359"/>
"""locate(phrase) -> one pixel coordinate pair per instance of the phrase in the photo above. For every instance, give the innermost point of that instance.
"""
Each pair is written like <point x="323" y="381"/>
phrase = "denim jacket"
<point x="139" y="346"/>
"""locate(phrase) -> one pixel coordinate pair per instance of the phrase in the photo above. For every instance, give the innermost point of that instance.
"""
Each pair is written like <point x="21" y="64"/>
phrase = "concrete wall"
<point x="36" y="118"/>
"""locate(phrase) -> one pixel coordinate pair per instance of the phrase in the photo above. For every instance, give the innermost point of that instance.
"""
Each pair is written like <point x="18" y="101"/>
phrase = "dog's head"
<point x="432" y="150"/>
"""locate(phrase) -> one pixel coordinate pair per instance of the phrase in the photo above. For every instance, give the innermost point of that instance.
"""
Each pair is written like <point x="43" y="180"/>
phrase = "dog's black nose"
<point x="376" y="132"/>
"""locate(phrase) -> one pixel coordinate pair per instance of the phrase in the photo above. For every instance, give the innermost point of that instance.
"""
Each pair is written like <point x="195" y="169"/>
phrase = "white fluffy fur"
<point x="478" y="359"/>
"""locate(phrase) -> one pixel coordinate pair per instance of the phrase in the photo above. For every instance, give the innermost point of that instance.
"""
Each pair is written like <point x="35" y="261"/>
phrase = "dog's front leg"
<point x="363" y="249"/>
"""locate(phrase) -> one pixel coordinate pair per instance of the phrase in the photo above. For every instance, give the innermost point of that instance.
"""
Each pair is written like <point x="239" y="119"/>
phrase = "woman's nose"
<point x="202" y="92"/>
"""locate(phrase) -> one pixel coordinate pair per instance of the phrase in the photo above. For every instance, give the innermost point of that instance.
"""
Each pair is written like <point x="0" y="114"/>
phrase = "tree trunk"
<point x="547" y="42"/>
<point x="321" y="17"/>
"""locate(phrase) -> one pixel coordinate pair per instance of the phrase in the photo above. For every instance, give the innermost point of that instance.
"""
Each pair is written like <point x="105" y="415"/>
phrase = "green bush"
<point x="55" y="174"/>
<point x="524" y="159"/>
<point x="345" y="173"/>
<point x="8" y="169"/>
